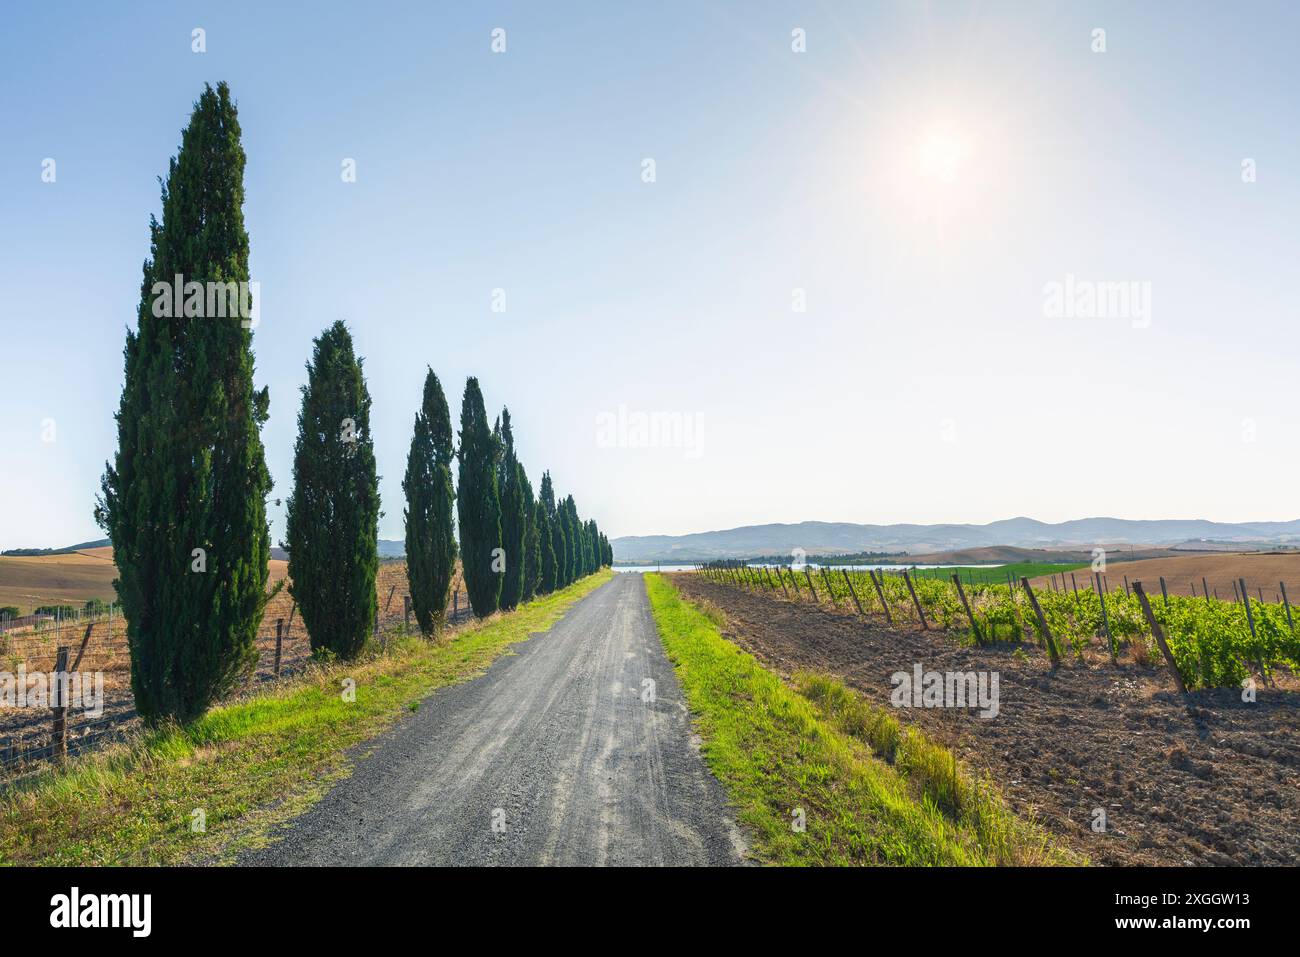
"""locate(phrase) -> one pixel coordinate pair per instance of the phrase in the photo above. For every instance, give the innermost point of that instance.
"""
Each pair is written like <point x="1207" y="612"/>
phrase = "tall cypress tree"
<point x="478" y="504"/>
<point x="430" y="528"/>
<point x="573" y="539"/>
<point x="552" y="576"/>
<point x="184" y="501"/>
<point x="514" y="519"/>
<point x="332" y="517"/>
<point x="546" y="549"/>
<point x="532" y="539"/>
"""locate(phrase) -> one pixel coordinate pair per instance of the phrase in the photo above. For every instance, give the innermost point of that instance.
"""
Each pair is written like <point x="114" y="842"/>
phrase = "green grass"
<point x="997" y="575"/>
<point x="870" y="791"/>
<point x="248" y="765"/>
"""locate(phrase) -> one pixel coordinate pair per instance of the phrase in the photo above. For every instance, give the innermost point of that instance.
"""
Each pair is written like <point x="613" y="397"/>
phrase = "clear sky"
<point x="916" y="179"/>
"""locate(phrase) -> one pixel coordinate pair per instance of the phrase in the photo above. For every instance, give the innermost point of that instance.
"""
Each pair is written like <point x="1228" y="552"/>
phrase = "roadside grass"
<point x="249" y="765"/>
<point x="870" y="792"/>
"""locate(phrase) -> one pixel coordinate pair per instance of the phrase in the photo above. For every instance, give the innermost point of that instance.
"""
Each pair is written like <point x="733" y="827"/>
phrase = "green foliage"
<point x="57" y="611"/>
<point x="332" y="517"/>
<point x="514" y="517"/>
<point x="430" y="527"/>
<point x="1210" y="641"/>
<point x="532" y="539"/>
<point x="190" y="473"/>
<point x="478" y="504"/>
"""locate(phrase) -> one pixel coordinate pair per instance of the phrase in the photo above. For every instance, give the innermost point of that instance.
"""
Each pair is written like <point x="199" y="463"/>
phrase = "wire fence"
<point x="79" y="643"/>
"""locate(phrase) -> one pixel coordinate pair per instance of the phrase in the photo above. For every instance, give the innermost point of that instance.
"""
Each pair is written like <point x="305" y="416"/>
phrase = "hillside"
<point x="843" y="537"/>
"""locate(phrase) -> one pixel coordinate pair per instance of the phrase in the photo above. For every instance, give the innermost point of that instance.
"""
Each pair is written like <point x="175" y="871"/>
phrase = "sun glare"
<point x="942" y="152"/>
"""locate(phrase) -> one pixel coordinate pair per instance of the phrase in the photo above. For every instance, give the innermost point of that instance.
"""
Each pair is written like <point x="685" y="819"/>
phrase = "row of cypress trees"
<point x="184" y="500"/>
<point x="514" y="545"/>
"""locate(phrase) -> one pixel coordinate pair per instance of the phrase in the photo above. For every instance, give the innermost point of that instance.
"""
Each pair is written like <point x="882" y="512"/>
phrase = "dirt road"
<point x="551" y="757"/>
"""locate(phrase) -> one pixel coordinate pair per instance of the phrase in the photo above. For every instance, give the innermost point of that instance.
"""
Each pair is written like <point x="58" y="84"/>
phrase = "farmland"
<point x="1213" y="643"/>
<point x="1202" y="778"/>
<point x="24" y="733"/>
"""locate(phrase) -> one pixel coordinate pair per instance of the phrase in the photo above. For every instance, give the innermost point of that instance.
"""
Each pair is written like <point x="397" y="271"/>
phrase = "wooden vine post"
<point x="1159" y="636"/>
<point x="916" y="601"/>
<point x="852" y="593"/>
<point x="1042" y="623"/>
<point x="880" y="593"/>
<point x="1250" y="620"/>
<point x="961" y="593"/>
<point x="808" y="577"/>
<point x="1105" y="623"/>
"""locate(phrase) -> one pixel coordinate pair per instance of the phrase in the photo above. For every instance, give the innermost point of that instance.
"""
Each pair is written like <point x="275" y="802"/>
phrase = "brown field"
<point x="100" y="646"/>
<point x="71" y="579"/>
<point x="1262" y="571"/>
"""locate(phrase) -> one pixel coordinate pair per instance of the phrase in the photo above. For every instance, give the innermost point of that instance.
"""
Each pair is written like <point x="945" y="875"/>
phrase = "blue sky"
<point x="919" y="174"/>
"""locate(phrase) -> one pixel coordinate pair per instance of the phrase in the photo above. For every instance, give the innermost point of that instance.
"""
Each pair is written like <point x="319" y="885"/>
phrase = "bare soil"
<point x="1183" y="574"/>
<point x="1215" y="781"/>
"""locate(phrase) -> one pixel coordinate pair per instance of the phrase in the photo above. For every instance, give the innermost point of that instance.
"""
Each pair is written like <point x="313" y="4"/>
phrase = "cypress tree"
<point x="573" y="540"/>
<point x="552" y="576"/>
<point x="514" y="518"/>
<point x="184" y="501"/>
<point x="430" y="528"/>
<point x="546" y="548"/>
<point x="478" y="504"/>
<point x="332" y="517"/>
<point x="532" y="539"/>
<point x="593" y="547"/>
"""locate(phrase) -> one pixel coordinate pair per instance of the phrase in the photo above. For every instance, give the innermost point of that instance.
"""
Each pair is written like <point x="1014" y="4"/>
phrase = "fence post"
<point x="808" y="575"/>
<point x="59" y="730"/>
<point x="279" y="641"/>
<point x="392" y="591"/>
<point x="1250" y="620"/>
<point x="849" y="581"/>
<point x="826" y="580"/>
<point x="961" y="593"/>
<point x="795" y="582"/>
<point x="880" y="593"/>
<point x="1160" y="636"/>
<point x="916" y="601"/>
<point x="781" y="581"/>
<point x="1287" y="605"/>
<point x="1042" y="623"/>
<point x="1164" y="591"/>
<point x="1105" y="622"/>
<point x="82" y="650"/>
<point x="1206" y="589"/>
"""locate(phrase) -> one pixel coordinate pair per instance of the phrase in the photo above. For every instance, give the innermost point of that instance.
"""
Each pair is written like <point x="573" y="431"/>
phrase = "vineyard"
<point x="1211" y="642"/>
<point x="96" y="643"/>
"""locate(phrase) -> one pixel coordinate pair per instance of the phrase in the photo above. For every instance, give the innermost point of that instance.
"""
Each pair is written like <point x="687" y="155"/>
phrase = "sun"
<point x="942" y="151"/>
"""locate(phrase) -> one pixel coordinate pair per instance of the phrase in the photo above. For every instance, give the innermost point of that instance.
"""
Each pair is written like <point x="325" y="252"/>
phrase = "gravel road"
<point x="550" y="758"/>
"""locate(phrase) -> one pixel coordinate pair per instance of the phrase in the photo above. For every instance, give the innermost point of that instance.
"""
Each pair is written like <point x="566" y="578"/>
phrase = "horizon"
<point x="843" y="280"/>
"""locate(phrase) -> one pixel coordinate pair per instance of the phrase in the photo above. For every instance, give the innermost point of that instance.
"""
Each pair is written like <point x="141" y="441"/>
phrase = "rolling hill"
<point x="843" y="537"/>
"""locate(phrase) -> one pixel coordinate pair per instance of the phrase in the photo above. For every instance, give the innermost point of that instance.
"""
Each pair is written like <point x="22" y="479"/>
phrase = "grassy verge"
<point x="779" y="752"/>
<point x="248" y="765"/>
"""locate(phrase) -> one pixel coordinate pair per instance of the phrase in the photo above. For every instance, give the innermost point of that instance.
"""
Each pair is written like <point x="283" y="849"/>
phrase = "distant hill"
<point x="823" y="538"/>
<point x="35" y="552"/>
